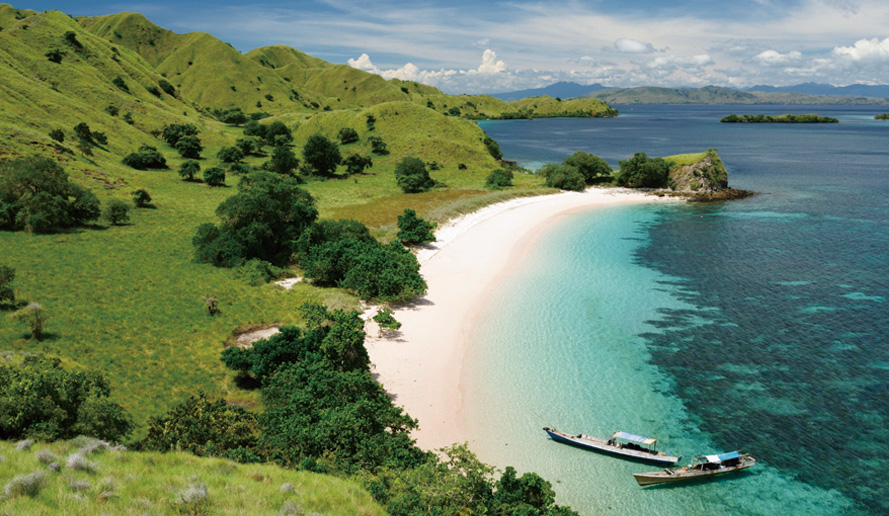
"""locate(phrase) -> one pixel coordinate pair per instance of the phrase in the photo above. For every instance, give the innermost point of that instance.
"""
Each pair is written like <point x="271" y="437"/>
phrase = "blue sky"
<point x="464" y="46"/>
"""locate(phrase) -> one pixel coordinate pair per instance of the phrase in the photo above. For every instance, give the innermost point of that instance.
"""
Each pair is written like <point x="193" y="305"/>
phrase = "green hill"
<point x="546" y="106"/>
<point x="86" y="477"/>
<point x="716" y="95"/>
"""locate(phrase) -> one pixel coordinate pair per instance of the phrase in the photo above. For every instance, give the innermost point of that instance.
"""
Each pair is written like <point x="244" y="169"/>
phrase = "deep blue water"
<point x="775" y="337"/>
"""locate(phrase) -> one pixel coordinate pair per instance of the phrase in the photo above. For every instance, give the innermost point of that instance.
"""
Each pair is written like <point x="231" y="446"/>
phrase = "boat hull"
<point x="595" y="444"/>
<point x="683" y="475"/>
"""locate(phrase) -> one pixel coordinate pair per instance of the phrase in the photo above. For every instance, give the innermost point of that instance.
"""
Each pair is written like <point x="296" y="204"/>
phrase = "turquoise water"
<point x="758" y="324"/>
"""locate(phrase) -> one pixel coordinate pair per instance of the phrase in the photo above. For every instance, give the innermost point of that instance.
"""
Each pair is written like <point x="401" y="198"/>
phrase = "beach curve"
<point x="421" y="365"/>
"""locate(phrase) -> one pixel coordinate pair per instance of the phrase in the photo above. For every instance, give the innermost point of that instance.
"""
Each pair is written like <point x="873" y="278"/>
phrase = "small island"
<point x="781" y="119"/>
<point x="884" y="116"/>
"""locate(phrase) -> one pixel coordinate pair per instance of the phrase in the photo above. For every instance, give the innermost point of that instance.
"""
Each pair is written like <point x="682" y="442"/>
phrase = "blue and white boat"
<point x="620" y="444"/>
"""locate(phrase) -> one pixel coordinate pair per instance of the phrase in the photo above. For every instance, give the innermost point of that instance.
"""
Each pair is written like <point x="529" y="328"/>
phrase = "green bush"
<point x="412" y="176"/>
<point x="640" y="171"/>
<point x="214" y="176"/>
<point x="146" y="158"/>
<point x="356" y="164"/>
<point x="413" y="229"/>
<point x="322" y="154"/>
<point x="230" y="155"/>
<point x="591" y="167"/>
<point x="258" y="272"/>
<point x="154" y="90"/>
<point x="141" y="198"/>
<point x="378" y="146"/>
<point x="57" y="135"/>
<point x="174" y="132"/>
<point x="117" y="212"/>
<point x="167" y="87"/>
<point x="493" y="147"/>
<point x="564" y="177"/>
<point x="26" y="485"/>
<point x="189" y="146"/>
<point x="54" y="55"/>
<point x="499" y="179"/>
<point x="120" y="83"/>
<point x="7" y="293"/>
<point x="348" y="135"/>
<point x="36" y="196"/>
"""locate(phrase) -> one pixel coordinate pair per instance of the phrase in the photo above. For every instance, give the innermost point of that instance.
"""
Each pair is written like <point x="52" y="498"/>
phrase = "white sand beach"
<point x="421" y="365"/>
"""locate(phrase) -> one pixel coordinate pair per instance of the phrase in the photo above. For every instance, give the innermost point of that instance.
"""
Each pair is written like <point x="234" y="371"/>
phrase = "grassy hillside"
<point x="84" y="477"/>
<point x="714" y="95"/>
<point x="546" y="106"/>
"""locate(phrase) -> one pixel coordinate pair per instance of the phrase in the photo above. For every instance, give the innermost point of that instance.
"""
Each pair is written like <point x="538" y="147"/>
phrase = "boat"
<point x="702" y="466"/>
<point x="620" y="444"/>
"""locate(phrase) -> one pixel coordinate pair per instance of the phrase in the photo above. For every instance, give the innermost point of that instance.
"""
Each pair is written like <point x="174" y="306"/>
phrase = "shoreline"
<point x="421" y="365"/>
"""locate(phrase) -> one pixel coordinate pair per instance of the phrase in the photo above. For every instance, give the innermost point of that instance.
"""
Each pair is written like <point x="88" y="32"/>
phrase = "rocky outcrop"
<point x="704" y="181"/>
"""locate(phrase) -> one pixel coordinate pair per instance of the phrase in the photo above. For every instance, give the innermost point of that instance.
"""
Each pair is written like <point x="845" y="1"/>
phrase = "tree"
<point x="214" y="176"/>
<point x="356" y="164"/>
<point x="262" y="220"/>
<point x="205" y="428"/>
<point x="54" y="55"/>
<point x="141" y="198"/>
<point x="413" y="229"/>
<point x="348" y="135"/>
<point x="412" y="176"/>
<point x="493" y="147"/>
<point x="120" y="83"/>
<point x="36" y="196"/>
<point x="322" y="154"/>
<point x="40" y="400"/>
<point x="147" y="157"/>
<point x="232" y="116"/>
<point x="277" y="134"/>
<point x="82" y="131"/>
<point x="57" y="135"/>
<point x="189" y="146"/>
<point x="499" y="179"/>
<point x="173" y="132"/>
<point x="117" y="212"/>
<point x="167" y="87"/>
<point x="188" y="169"/>
<point x="249" y="145"/>
<point x="640" y="171"/>
<point x="34" y="315"/>
<point x="7" y="293"/>
<point x="590" y="166"/>
<point x="564" y="177"/>
<point x="283" y="161"/>
<point x="378" y="146"/>
<point x="230" y="155"/>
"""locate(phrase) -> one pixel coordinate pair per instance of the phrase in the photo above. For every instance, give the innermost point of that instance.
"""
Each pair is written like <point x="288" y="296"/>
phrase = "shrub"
<point x="249" y="145"/>
<point x="128" y="118"/>
<point x="146" y="158"/>
<point x="499" y="179"/>
<point x="54" y="55"/>
<point x="188" y="169"/>
<point x="174" y="132"/>
<point x="112" y="110"/>
<point x="412" y="176"/>
<point x="259" y="272"/>
<point x="83" y="132"/>
<point x="117" y="212"/>
<point x="189" y="146"/>
<point x="167" y="87"/>
<point x="193" y="499"/>
<point x="26" y="485"/>
<point x="36" y="196"/>
<point x="154" y="90"/>
<point x="413" y="229"/>
<point x="356" y="164"/>
<point x="230" y="154"/>
<point x="371" y="122"/>
<point x="590" y="166"/>
<point x="141" y="198"/>
<point x="348" y="135"/>
<point x="378" y="146"/>
<point x="120" y="83"/>
<point x="277" y="133"/>
<point x="493" y="147"/>
<point x="46" y="456"/>
<point x="57" y="135"/>
<point x="78" y="462"/>
<point x="7" y="293"/>
<point x="563" y="177"/>
<point x="322" y="154"/>
<point x="214" y="176"/>
<point x="640" y="171"/>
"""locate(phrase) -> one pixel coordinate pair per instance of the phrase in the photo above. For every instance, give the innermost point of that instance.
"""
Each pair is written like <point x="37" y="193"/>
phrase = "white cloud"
<point x="675" y="62"/>
<point x="632" y="46"/>
<point x="363" y="63"/>
<point x="490" y="64"/>
<point x="865" y="50"/>
<point x="775" y="58"/>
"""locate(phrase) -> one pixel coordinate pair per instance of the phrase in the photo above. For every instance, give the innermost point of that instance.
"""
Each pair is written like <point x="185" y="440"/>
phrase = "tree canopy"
<point x="262" y="220"/>
<point x="640" y="171"/>
<point x="412" y="176"/>
<point x="36" y="196"/>
<point x="590" y="166"/>
<point x="322" y="154"/>
<point x="413" y="229"/>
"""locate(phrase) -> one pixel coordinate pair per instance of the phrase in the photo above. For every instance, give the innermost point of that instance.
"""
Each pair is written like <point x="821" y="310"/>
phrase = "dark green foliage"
<point x="249" y="146"/>
<point x="146" y="158"/>
<point x="239" y="168"/>
<point x="54" y="55"/>
<point x="117" y="212"/>
<point x="593" y="168"/>
<point x="283" y="161"/>
<point x="371" y="122"/>
<point x="188" y="169"/>
<point x="640" y="171"/>
<point x="499" y="179"/>
<point x="189" y="146"/>
<point x="82" y="131"/>
<point x="71" y="38"/>
<point x="40" y="400"/>
<point x="882" y="116"/>
<point x="564" y="177"/>
<point x="386" y="320"/>
<point x="254" y="128"/>
<point x="356" y="164"/>
<point x="7" y="293"/>
<point x="378" y="146"/>
<point x="128" y="118"/>
<point x="57" y="135"/>
<point x="204" y="428"/>
<point x="154" y="90"/>
<point x="141" y="198"/>
<point x="112" y="110"/>
<point x="120" y="83"/>
<point x="413" y="229"/>
<point x="348" y="135"/>
<point x="167" y="87"/>
<point x="174" y="132"/>
<point x="277" y="133"/>
<point x="493" y="147"/>
<point x="782" y="119"/>
<point x="230" y="154"/>
<point x="412" y="176"/>
<point x="233" y="116"/>
<point x="100" y="138"/>
<point x="258" y="272"/>
<point x="36" y="196"/>
<point x="322" y="154"/>
<point x="214" y="176"/>
<point x="269" y="97"/>
<point x="262" y="220"/>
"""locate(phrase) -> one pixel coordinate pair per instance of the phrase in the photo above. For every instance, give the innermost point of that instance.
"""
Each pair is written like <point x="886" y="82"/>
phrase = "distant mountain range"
<point x="807" y="93"/>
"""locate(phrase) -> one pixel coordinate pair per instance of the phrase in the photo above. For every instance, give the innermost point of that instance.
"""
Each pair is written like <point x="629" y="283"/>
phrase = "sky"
<point x="474" y="46"/>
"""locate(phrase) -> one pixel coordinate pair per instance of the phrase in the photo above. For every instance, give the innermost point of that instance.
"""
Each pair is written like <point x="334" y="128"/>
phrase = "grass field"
<point x="108" y="481"/>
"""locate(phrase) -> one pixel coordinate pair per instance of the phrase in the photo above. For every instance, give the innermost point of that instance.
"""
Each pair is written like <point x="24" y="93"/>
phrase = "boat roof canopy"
<point x="722" y="457"/>
<point x="648" y="441"/>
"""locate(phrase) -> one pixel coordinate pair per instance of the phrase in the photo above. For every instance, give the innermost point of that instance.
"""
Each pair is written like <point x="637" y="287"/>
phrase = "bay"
<point x="758" y="324"/>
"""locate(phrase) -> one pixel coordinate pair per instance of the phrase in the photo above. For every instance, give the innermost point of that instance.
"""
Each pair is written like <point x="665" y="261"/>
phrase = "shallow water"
<point x="757" y="324"/>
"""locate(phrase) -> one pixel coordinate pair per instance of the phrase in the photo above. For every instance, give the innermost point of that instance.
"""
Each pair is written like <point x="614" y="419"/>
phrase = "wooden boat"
<point x="621" y="444"/>
<point x="702" y="466"/>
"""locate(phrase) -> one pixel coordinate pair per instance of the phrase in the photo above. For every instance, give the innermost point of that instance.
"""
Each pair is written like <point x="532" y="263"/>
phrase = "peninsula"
<point x="778" y="119"/>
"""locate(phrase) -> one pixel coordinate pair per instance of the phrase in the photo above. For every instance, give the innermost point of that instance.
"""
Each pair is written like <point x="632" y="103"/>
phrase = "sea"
<point x="759" y="325"/>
